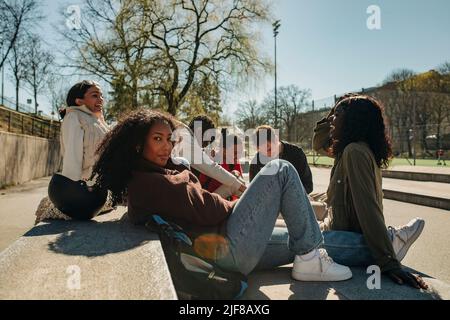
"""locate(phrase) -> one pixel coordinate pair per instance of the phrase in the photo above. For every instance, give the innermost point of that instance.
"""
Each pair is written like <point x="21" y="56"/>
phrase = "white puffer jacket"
<point x="81" y="134"/>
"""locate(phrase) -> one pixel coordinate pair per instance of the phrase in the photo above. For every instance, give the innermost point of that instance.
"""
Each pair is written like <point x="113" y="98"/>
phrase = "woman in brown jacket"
<point x="354" y="134"/>
<point x="135" y="161"/>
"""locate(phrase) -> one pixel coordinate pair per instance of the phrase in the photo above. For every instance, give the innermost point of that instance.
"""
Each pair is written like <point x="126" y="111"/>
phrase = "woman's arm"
<point x="72" y="139"/>
<point x="321" y="138"/>
<point x="203" y="163"/>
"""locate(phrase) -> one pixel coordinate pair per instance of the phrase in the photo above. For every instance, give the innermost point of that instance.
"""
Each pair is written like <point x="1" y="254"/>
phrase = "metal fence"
<point x="18" y="122"/>
<point x="418" y="122"/>
<point x="11" y="104"/>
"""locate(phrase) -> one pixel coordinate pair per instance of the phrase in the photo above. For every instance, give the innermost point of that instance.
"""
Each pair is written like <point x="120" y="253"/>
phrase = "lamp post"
<point x="3" y="80"/>
<point x="276" y="25"/>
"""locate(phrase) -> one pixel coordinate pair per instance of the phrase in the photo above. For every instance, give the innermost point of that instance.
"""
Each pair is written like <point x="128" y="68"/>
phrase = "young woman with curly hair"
<point x="135" y="161"/>
<point x="355" y="233"/>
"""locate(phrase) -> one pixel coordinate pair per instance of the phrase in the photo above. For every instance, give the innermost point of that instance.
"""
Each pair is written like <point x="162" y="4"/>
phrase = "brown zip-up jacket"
<point x="175" y="194"/>
<point x="355" y="197"/>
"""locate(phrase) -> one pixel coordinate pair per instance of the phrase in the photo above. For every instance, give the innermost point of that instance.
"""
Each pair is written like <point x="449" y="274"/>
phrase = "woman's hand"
<point x="236" y="173"/>
<point x="400" y="276"/>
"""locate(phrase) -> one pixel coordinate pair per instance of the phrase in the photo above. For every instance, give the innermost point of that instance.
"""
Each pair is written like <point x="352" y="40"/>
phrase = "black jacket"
<point x="296" y="157"/>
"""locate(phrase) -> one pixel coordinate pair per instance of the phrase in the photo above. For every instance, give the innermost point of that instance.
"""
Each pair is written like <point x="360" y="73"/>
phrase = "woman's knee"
<point x="280" y="165"/>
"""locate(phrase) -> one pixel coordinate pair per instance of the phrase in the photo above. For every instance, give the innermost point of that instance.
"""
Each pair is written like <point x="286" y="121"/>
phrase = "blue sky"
<point x="325" y="45"/>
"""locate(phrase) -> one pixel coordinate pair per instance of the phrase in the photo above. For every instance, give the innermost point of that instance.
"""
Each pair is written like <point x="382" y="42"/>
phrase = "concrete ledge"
<point x="406" y="175"/>
<point x="104" y="259"/>
<point x="419" y="199"/>
<point x="417" y="176"/>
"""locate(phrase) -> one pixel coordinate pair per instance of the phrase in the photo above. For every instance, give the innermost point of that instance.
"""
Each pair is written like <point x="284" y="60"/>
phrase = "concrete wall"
<point x="24" y="158"/>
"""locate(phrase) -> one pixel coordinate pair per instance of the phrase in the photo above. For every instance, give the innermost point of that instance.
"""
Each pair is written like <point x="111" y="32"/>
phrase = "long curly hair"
<point x="122" y="147"/>
<point x="364" y="121"/>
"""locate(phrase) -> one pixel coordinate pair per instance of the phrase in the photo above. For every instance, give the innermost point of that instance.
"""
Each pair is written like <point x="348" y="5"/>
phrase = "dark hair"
<point x="363" y="120"/>
<point x="207" y="124"/>
<point x="266" y="131"/>
<point x="122" y="147"/>
<point x="77" y="92"/>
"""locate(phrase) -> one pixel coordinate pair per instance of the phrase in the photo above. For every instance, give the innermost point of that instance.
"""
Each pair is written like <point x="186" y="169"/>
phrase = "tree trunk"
<point x="35" y="101"/>
<point x="172" y="105"/>
<point x="135" y="102"/>
<point x="35" y="92"/>
<point x="17" y="94"/>
<point x="438" y="136"/>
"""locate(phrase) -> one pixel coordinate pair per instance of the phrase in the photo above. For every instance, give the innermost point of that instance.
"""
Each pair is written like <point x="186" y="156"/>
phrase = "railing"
<point x="17" y="122"/>
<point x="11" y="104"/>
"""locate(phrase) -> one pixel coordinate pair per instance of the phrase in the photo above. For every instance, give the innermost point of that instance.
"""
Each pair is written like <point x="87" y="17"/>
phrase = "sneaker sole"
<point x="314" y="277"/>
<point x="402" y="253"/>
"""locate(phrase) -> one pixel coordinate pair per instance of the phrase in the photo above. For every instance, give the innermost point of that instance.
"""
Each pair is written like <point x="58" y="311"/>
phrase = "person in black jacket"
<point x="269" y="146"/>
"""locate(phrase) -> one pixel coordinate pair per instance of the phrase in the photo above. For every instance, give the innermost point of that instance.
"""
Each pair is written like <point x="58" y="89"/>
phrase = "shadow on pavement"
<point x="277" y="284"/>
<point x="92" y="239"/>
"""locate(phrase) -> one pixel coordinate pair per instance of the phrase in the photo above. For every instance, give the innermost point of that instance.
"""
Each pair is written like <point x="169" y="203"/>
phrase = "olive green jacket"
<point x="355" y="197"/>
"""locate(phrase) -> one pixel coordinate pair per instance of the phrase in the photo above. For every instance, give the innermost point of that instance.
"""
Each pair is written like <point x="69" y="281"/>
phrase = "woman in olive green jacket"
<point x="354" y="134"/>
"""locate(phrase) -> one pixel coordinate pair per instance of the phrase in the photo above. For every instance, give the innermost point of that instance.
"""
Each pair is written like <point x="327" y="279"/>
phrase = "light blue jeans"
<point x="250" y="228"/>
<point x="255" y="242"/>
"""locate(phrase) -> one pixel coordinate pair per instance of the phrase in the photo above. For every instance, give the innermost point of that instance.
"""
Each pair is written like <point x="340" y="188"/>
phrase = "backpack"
<point x="195" y="277"/>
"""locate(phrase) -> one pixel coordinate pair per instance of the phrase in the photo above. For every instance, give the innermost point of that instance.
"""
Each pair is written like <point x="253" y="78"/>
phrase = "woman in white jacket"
<point x="82" y="130"/>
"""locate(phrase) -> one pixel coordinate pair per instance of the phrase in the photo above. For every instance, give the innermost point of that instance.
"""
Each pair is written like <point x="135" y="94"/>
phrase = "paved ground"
<point x="434" y="239"/>
<point x="17" y="208"/>
<point x="429" y="255"/>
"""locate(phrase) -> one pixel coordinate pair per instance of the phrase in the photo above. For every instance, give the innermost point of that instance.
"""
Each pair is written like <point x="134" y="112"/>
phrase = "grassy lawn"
<point x="396" y="162"/>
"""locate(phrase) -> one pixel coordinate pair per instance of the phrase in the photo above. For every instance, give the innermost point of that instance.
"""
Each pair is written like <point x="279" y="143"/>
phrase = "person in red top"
<point x="228" y="157"/>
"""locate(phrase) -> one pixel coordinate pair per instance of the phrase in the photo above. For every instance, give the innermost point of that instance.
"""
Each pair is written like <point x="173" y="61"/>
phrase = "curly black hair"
<point x="122" y="147"/>
<point x="364" y="121"/>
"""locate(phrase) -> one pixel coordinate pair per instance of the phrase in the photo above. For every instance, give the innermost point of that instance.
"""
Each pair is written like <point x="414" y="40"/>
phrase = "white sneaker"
<point x="403" y="237"/>
<point x="319" y="268"/>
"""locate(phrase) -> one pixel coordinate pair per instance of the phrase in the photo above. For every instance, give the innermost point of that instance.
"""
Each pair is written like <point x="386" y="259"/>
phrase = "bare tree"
<point x="164" y="48"/>
<point x="250" y="115"/>
<point x="38" y="63"/>
<point x="399" y="75"/>
<point x="16" y="16"/>
<point x="444" y="68"/>
<point x="291" y="102"/>
<point x="400" y="111"/>
<point x="18" y="64"/>
<point x="57" y="90"/>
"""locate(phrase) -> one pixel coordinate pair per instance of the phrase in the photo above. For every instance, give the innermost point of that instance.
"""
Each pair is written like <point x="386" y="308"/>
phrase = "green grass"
<point x="396" y="162"/>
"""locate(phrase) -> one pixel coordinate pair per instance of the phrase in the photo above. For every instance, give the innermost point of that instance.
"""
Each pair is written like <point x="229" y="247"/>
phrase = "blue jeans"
<point x="347" y="248"/>
<point x="250" y="228"/>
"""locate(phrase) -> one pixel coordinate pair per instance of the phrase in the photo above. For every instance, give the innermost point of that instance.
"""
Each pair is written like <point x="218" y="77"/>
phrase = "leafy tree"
<point x="165" y="48"/>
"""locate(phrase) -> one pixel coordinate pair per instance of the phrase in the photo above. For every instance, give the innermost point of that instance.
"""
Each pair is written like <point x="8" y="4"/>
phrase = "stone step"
<point x="103" y="259"/>
<point x="425" y="193"/>
<point x="417" y="176"/>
